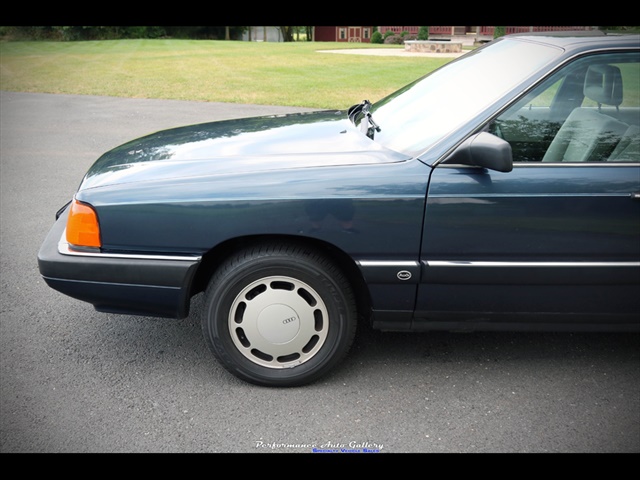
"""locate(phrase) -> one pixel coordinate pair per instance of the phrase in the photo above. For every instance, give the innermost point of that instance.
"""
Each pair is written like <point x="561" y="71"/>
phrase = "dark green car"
<point x="501" y="191"/>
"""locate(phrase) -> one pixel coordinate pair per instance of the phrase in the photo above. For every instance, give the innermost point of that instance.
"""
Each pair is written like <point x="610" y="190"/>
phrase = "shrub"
<point x="398" y="39"/>
<point x="393" y="40"/>
<point x="423" y="33"/>
<point x="376" y="37"/>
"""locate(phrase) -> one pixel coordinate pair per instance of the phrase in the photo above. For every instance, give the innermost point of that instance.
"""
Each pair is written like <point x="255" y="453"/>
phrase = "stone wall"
<point x="432" y="46"/>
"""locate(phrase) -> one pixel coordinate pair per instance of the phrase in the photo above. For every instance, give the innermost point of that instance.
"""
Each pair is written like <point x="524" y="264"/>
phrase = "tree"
<point x="287" y="33"/>
<point x="309" y="31"/>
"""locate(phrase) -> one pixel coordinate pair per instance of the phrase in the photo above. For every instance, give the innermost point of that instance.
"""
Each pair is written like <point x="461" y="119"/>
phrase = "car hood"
<point x="301" y="140"/>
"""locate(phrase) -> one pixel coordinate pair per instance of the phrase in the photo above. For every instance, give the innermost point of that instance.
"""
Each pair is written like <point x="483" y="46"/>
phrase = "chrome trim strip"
<point x="574" y="164"/>
<point x="526" y="195"/>
<point x="459" y="263"/>
<point x="387" y="263"/>
<point x="550" y="164"/>
<point x="64" y="249"/>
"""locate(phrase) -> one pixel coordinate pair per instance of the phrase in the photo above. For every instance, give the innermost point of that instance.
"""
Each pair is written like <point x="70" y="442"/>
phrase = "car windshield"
<point x="420" y="114"/>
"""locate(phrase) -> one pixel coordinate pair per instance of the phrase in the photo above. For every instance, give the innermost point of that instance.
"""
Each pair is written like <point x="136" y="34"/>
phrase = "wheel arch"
<point x="212" y="259"/>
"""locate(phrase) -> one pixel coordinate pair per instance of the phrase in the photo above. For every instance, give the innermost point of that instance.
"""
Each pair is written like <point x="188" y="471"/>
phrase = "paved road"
<point x="74" y="380"/>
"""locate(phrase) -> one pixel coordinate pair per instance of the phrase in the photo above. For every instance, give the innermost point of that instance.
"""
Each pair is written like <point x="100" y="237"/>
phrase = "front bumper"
<point x="152" y="285"/>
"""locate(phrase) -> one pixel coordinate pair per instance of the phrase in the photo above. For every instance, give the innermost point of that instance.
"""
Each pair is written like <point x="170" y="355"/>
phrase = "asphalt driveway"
<point x="74" y="380"/>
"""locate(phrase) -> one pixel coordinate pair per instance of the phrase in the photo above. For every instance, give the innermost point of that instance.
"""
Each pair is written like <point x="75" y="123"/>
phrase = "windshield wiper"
<point x="363" y="109"/>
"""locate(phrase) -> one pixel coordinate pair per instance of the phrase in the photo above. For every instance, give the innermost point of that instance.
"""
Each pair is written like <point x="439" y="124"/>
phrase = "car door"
<point x="556" y="240"/>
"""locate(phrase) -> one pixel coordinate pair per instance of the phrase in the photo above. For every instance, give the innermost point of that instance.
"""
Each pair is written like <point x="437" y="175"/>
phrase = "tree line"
<point x="289" y="34"/>
<point x="75" y="33"/>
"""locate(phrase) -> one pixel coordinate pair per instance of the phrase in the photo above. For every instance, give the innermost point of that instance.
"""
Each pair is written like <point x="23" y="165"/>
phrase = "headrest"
<point x="603" y="84"/>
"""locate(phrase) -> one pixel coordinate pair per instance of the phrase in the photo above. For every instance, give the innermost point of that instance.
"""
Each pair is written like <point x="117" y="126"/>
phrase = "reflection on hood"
<point x="310" y="139"/>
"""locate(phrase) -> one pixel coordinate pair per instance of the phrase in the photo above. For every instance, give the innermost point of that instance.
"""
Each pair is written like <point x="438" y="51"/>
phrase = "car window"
<point x="419" y="115"/>
<point x="589" y="111"/>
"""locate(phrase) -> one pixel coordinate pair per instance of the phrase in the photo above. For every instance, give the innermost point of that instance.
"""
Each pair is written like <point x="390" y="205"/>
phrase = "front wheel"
<point x="279" y="316"/>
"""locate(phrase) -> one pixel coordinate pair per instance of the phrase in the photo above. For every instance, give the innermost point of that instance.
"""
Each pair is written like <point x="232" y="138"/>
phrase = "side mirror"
<point x="484" y="150"/>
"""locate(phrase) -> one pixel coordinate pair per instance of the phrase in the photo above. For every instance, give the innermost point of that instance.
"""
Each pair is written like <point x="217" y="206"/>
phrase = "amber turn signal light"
<point x="83" y="229"/>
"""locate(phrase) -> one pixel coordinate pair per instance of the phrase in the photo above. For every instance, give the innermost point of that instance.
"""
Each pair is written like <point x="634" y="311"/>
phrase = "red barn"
<point x="342" y="34"/>
<point x="481" y="33"/>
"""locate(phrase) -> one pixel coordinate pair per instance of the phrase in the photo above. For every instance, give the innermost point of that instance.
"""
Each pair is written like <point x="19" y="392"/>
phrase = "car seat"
<point x="628" y="149"/>
<point x="589" y="135"/>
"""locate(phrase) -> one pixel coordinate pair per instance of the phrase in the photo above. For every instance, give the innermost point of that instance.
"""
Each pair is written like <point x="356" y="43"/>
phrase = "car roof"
<point x="583" y="39"/>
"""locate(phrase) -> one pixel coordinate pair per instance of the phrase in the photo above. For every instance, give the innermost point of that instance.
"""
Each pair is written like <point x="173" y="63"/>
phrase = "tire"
<point x="279" y="316"/>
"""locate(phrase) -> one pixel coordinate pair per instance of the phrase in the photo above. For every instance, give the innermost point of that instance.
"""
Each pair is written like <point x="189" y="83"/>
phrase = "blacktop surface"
<point x="73" y="380"/>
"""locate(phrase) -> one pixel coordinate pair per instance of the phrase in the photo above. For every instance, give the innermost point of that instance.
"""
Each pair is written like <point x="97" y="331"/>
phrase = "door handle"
<point x="635" y="196"/>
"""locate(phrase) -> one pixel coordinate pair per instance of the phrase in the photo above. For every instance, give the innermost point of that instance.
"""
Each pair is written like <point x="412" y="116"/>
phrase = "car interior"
<point x="590" y="119"/>
<point x="588" y="134"/>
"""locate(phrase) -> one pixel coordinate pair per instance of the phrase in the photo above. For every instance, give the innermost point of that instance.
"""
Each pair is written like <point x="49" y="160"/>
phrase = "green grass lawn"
<point x="290" y="74"/>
